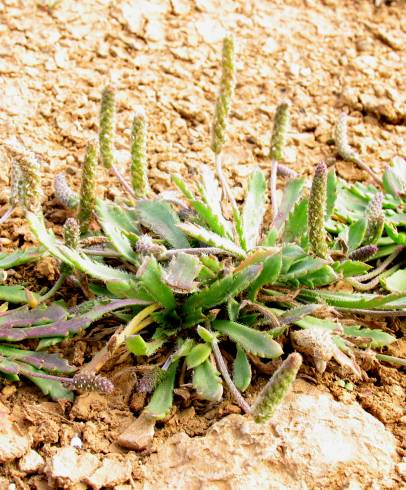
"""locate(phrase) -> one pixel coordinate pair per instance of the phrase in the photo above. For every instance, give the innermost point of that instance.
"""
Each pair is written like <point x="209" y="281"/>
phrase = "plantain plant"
<point x="194" y="273"/>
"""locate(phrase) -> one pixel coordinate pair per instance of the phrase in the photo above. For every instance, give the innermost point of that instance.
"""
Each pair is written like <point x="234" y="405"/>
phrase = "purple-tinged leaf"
<point x="37" y="316"/>
<point x="66" y="327"/>
<point x="40" y="360"/>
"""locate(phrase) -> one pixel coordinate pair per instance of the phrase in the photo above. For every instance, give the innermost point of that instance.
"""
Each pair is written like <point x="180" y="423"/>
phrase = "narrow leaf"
<point x="162" y="399"/>
<point x="258" y="343"/>
<point x="198" y="354"/>
<point x="241" y="370"/>
<point x="254" y="209"/>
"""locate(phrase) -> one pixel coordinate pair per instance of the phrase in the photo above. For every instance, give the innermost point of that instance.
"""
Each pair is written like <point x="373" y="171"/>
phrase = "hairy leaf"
<point x="198" y="354"/>
<point x="212" y="239"/>
<point x="112" y="228"/>
<point x="270" y="272"/>
<point x="137" y="345"/>
<point x="152" y="280"/>
<point x="162" y="399"/>
<point x="291" y="195"/>
<point x="207" y="383"/>
<point x="159" y="217"/>
<point x="36" y="316"/>
<point x="8" y="260"/>
<point x="258" y="343"/>
<point x="241" y="370"/>
<point x="254" y="209"/>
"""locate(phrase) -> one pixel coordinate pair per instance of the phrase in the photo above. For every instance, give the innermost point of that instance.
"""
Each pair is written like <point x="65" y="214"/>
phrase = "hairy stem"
<point x="274" y="200"/>
<point x="6" y="215"/>
<point x="55" y="288"/>
<point x="381" y="267"/>
<point x="226" y="376"/>
<point x="122" y="181"/>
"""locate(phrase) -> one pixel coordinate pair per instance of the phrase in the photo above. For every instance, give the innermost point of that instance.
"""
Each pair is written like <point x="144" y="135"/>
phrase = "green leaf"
<point x="394" y="178"/>
<point x="270" y="238"/>
<point x="152" y="281"/>
<point x="254" y="209"/>
<point x="213" y="239"/>
<point x="207" y="383"/>
<point x="8" y="260"/>
<point x="296" y="224"/>
<point x="291" y="195"/>
<point x="349" y="268"/>
<point x="356" y="233"/>
<point x="233" y="309"/>
<point x="198" y="354"/>
<point x="269" y="274"/>
<point x="160" y="218"/>
<point x="396" y="283"/>
<point x="211" y="195"/>
<point x="14" y="294"/>
<point x="331" y="192"/>
<point x="114" y="231"/>
<point x="137" y="345"/>
<point x="221" y="290"/>
<point x="162" y="399"/>
<point x="258" y="343"/>
<point x="376" y="337"/>
<point x="304" y="268"/>
<point x="241" y="370"/>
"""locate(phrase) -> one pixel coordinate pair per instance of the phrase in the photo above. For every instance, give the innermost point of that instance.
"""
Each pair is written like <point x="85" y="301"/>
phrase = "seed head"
<point x="139" y="166"/>
<point x="363" y="253"/>
<point x="277" y="388"/>
<point x="26" y="178"/>
<point x="317" y="209"/>
<point x="91" y="382"/>
<point x="107" y="127"/>
<point x="341" y="139"/>
<point x="64" y="193"/>
<point x="375" y="219"/>
<point x="280" y="130"/>
<point x="88" y="188"/>
<point x="71" y="233"/>
<point x="223" y="105"/>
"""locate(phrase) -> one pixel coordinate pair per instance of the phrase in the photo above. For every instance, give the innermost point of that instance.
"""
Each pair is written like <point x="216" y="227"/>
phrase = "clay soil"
<point x="324" y="56"/>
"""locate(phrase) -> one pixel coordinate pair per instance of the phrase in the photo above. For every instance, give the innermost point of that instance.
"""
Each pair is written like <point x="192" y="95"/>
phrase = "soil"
<point x="324" y="56"/>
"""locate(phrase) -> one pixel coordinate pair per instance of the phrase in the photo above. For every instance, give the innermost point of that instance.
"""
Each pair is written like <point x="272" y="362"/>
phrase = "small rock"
<point x="13" y="443"/>
<point x="67" y="466"/>
<point x="139" y="434"/>
<point x="111" y="473"/>
<point x="31" y="462"/>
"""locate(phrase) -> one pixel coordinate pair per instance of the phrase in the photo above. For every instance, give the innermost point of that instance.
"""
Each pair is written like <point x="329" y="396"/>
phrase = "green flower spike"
<point x="280" y="131"/>
<point x="223" y="105"/>
<point x="139" y="166"/>
<point x="317" y="209"/>
<point x="107" y="127"/>
<point x="88" y="188"/>
<point x="26" y="172"/>
<point x="71" y="237"/>
<point x="375" y="219"/>
<point x="276" y="389"/>
<point x="16" y="184"/>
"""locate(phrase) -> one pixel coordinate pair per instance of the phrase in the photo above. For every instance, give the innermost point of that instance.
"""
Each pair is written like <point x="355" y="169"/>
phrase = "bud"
<point x="375" y="219"/>
<point x="64" y="193"/>
<point x="223" y="104"/>
<point x="107" y="127"/>
<point x="91" y="382"/>
<point x="27" y="185"/>
<point x="279" y="132"/>
<point x="317" y="209"/>
<point x="88" y="188"/>
<point x="276" y="389"/>
<point x="150" y="380"/>
<point x="363" y="253"/>
<point x="139" y="169"/>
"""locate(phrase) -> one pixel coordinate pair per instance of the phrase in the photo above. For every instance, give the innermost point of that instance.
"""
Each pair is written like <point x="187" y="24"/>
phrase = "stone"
<point x="13" y="443"/>
<point x="31" y="462"/>
<point x="68" y="466"/>
<point x="315" y="439"/>
<point x="112" y="472"/>
<point x="139" y="434"/>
